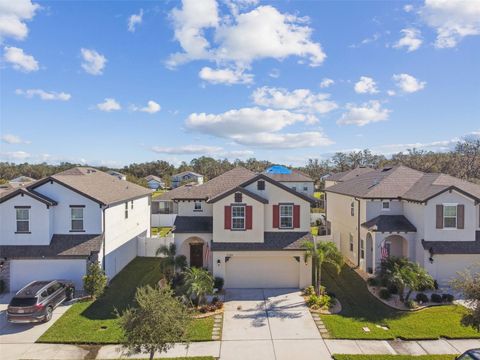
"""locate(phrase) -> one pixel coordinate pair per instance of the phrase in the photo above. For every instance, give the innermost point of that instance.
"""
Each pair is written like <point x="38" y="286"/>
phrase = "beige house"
<point x="246" y="228"/>
<point x="433" y="219"/>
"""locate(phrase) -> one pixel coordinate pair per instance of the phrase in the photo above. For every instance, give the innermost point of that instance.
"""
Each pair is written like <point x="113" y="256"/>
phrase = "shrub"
<point x="436" y="298"/>
<point x="447" y="298"/>
<point x="309" y="291"/>
<point x="218" y="283"/>
<point x="411" y="304"/>
<point x="393" y="289"/>
<point x="325" y="302"/>
<point x="372" y="281"/>
<point x="435" y="284"/>
<point x="421" y="298"/>
<point x="219" y="305"/>
<point x="384" y="294"/>
<point x="319" y="302"/>
<point x="95" y="281"/>
<point x="2" y="286"/>
<point x="313" y="301"/>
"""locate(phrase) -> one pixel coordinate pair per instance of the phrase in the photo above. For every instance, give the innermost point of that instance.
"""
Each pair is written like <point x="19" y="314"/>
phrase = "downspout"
<point x="358" y="234"/>
<point x="103" y="240"/>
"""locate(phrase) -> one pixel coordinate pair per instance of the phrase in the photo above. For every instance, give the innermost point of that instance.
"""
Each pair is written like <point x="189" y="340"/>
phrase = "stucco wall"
<point x="374" y="208"/>
<point x="300" y="185"/>
<point x="187" y="208"/>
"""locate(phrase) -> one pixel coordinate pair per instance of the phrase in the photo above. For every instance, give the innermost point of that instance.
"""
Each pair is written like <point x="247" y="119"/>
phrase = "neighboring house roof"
<point x="96" y="185"/>
<point x="403" y="182"/>
<point x="6" y="195"/>
<point x="193" y="224"/>
<point x="70" y="246"/>
<point x="349" y="174"/>
<point x="293" y="176"/>
<point x="292" y="240"/>
<point x="241" y="190"/>
<point x="183" y="173"/>
<point x="212" y="188"/>
<point x="453" y="247"/>
<point x="22" y="179"/>
<point x="153" y="177"/>
<point x="389" y="223"/>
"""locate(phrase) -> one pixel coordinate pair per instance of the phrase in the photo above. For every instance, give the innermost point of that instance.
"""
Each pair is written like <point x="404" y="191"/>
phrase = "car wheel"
<point x="48" y="315"/>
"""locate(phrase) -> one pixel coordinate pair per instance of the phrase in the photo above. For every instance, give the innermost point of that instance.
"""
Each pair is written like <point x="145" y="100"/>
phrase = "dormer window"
<point x="23" y="220"/>
<point x="76" y="218"/>
<point x="385" y="205"/>
<point x="260" y="185"/>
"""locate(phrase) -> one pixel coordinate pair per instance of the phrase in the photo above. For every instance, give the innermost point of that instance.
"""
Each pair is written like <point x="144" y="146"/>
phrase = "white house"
<point x="294" y="179"/>
<point x="244" y="227"/>
<point x="186" y="177"/>
<point x="52" y="228"/>
<point x="154" y="182"/>
<point x="433" y="219"/>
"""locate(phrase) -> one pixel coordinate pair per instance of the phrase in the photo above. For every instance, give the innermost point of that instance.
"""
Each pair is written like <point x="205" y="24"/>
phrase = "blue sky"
<point x="115" y="82"/>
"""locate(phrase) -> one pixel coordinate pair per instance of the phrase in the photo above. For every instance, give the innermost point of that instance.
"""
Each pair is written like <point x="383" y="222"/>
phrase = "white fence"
<point x="158" y="220"/>
<point x="149" y="246"/>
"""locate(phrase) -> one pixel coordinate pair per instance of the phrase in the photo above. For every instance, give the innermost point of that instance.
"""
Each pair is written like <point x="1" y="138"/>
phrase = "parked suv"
<point x="36" y="301"/>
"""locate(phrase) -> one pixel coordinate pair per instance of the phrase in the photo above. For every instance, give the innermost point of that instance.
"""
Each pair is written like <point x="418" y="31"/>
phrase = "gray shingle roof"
<point x="97" y="185"/>
<point x="453" y="247"/>
<point x="293" y="177"/>
<point x="4" y="196"/>
<point x="402" y="182"/>
<point x="61" y="246"/>
<point x="193" y="224"/>
<point x="390" y="223"/>
<point x="349" y="174"/>
<point x="291" y="240"/>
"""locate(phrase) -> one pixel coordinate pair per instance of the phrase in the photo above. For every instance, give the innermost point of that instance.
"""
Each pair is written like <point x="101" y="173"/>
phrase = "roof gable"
<point x="241" y="190"/>
<point x="23" y="191"/>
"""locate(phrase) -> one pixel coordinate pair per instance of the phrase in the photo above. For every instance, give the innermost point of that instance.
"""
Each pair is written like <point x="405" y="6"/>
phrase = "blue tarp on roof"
<point x="278" y="169"/>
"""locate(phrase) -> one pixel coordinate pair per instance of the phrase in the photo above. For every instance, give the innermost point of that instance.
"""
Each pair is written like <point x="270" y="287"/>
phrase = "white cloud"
<point x="225" y="76"/>
<point x="326" y="82"/>
<point x="44" y="95"/>
<point x="408" y="83"/>
<point x="20" y="60"/>
<point x="241" y="38"/>
<point x="151" y="108"/>
<point x="391" y="93"/>
<point x="366" y="41"/>
<point x="109" y="105"/>
<point x="93" y="62"/>
<point x="300" y="99"/>
<point x="364" y="114"/>
<point x="366" y="85"/>
<point x="13" y="139"/>
<point x="15" y="155"/>
<point x="284" y="141"/>
<point x="134" y="20"/>
<point x="408" y="8"/>
<point x="13" y="15"/>
<point x="274" y="73"/>
<point x="187" y="149"/>
<point x="452" y="20"/>
<point x="411" y="40"/>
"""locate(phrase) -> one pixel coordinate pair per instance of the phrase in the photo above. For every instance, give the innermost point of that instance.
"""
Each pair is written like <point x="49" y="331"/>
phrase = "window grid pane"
<point x="238" y="217"/>
<point x="22" y="214"/>
<point x="450" y="211"/>
<point x="77" y="213"/>
<point x="286" y="216"/>
<point x="22" y="226"/>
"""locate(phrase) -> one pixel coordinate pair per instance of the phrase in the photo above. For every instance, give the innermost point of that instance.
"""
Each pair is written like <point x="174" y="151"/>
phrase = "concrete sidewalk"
<point x="246" y="349"/>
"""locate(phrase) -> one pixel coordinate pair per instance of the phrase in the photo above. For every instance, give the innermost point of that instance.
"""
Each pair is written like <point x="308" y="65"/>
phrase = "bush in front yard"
<point x="95" y="281"/>
<point x="436" y="298"/>
<point x="411" y="304"/>
<point x="372" y="281"/>
<point x="309" y="290"/>
<point x="421" y="298"/>
<point x="319" y="302"/>
<point x="384" y="294"/>
<point x="448" y="298"/>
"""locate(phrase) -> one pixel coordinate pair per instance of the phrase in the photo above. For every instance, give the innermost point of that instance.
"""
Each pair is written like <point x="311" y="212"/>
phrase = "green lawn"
<point x="361" y="309"/>
<point x="157" y="193"/>
<point x="393" y="357"/>
<point x="89" y="322"/>
<point x="161" y="231"/>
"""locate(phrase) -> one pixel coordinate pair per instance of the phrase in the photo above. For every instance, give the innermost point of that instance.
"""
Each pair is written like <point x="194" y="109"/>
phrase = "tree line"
<point x="462" y="162"/>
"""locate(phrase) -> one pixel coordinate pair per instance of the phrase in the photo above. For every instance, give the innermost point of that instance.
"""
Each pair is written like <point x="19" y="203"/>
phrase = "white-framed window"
<point x="238" y="217"/>
<point x="76" y="218"/>
<point x="385" y="205"/>
<point x="362" y="249"/>
<point x="450" y="216"/>
<point x="286" y="216"/>
<point x="126" y="210"/>
<point x="23" y="220"/>
<point x="131" y="205"/>
<point x="350" y="237"/>
<point x="197" y="206"/>
<point x="305" y="188"/>
<point x="294" y="188"/>
<point x="352" y="208"/>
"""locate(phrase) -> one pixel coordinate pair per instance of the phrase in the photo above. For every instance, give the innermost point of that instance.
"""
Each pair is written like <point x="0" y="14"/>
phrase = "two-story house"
<point x="432" y="219"/>
<point x="186" y="177"/>
<point x="54" y="227"/>
<point x="155" y="182"/>
<point x="246" y="228"/>
<point x="294" y="179"/>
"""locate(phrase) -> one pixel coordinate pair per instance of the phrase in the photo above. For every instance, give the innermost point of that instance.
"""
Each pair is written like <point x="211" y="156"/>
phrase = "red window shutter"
<point x="296" y="216"/>
<point x="460" y="216"/>
<point x="276" y="217"/>
<point x="439" y="217"/>
<point x="228" y="218"/>
<point x="248" y="214"/>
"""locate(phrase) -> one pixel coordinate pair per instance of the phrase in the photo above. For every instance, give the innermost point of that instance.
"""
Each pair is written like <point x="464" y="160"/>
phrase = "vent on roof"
<point x="385" y="169"/>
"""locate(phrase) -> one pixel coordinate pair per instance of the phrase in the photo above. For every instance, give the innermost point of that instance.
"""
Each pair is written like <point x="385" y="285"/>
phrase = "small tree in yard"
<point x="95" y="281"/>
<point x="156" y="323"/>
<point x="409" y="275"/>
<point x="170" y="263"/>
<point x="322" y="253"/>
<point x="198" y="283"/>
<point x="468" y="282"/>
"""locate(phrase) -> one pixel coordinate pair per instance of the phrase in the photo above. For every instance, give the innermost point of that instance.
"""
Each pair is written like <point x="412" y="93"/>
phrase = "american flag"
<point x="384" y="250"/>
<point x="207" y="253"/>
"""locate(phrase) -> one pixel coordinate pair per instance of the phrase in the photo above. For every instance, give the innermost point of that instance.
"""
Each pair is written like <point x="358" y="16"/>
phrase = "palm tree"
<point x="170" y="262"/>
<point x="322" y="253"/>
<point x="198" y="283"/>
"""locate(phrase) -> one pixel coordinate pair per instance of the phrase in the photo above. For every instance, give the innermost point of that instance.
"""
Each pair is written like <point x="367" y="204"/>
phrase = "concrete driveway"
<point x="269" y="324"/>
<point x="19" y="336"/>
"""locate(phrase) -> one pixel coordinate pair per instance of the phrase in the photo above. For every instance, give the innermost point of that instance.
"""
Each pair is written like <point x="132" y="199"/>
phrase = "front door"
<point x="196" y="255"/>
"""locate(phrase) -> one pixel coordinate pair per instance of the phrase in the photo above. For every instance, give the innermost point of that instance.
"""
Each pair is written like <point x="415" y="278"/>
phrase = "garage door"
<point x="447" y="266"/>
<point x="24" y="271"/>
<point x="262" y="272"/>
